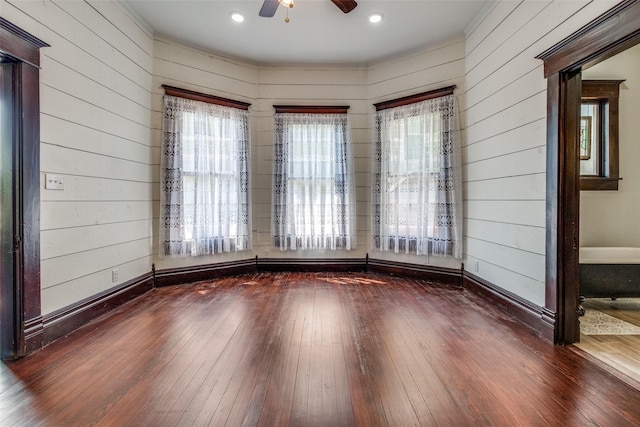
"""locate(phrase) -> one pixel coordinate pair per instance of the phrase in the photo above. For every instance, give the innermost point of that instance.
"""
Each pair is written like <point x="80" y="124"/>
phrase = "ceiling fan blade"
<point x="345" y="5"/>
<point x="269" y="8"/>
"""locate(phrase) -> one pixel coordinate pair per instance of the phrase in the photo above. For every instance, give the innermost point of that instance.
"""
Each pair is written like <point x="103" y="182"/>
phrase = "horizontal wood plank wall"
<point x="309" y="85"/>
<point x="95" y="86"/>
<point x="264" y="86"/>
<point x="505" y="146"/>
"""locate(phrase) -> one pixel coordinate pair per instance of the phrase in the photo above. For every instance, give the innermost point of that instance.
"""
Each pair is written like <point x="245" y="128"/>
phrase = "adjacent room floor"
<point x="610" y="332"/>
<point x="310" y="349"/>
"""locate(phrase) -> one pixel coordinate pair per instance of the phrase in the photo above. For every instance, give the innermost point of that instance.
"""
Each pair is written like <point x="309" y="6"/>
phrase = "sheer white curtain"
<point x="417" y="197"/>
<point x="313" y="194"/>
<point x="204" y="197"/>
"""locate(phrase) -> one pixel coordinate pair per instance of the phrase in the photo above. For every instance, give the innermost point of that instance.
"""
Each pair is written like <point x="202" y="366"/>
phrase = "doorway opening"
<point x="609" y="272"/>
<point x="613" y="32"/>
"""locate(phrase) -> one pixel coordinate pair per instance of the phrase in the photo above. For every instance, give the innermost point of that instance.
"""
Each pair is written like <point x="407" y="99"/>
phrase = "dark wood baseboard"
<point x="183" y="275"/>
<point x="61" y="322"/>
<point x="33" y="334"/>
<point x="548" y="325"/>
<point x="44" y="330"/>
<point x="311" y="264"/>
<point x="450" y="276"/>
<point x="538" y="318"/>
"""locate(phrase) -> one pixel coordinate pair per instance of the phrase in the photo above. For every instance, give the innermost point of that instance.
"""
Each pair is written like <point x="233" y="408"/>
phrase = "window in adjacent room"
<point x="313" y="192"/>
<point x="599" y="135"/>
<point x="417" y="188"/>
<point x="204" y="205"/>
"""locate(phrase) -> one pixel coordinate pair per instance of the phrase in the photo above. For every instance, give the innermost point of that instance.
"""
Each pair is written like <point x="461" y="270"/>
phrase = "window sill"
<point x="598" y="184"/>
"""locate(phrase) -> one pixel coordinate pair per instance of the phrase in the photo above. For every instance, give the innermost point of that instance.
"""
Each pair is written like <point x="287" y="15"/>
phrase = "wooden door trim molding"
<point x="609" y="34"/>
<point x="204" y="97"/>
<point x="19" y="44"/>
<point x="25" y="50"/>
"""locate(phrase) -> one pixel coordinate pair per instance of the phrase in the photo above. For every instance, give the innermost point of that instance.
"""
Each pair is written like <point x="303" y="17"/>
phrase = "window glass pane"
<point x="589" y="141"/>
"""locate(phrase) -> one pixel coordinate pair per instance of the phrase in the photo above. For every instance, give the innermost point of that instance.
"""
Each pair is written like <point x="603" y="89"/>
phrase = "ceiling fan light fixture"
<point x="237" y="16"/>
<point x="286" y="3"/>
<point x="375" y="17"/>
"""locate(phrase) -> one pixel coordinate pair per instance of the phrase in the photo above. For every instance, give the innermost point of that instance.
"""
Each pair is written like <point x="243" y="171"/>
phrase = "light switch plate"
<point x="53" y="182"/>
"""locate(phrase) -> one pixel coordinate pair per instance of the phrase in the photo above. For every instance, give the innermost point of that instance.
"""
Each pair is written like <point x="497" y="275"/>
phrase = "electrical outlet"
<point x="114" y="275"/>
<point x="476" y="266"/>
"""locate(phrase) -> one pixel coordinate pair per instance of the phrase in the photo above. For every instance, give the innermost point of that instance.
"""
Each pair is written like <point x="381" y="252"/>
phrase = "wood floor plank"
<point x="277" y="408"/>
<point x="313" y="349"/>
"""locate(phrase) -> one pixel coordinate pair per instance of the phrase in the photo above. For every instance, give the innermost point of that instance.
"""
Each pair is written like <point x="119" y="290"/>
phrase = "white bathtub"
<point x="610" y="272"/>
<point x="612" y="255"/>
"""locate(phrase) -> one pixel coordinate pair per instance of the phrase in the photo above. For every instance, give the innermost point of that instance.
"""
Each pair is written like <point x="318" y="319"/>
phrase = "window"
<point x="313" y="195"/>
<point x="417" y="187"/>
<point x="599" y="135"/>
<point x="205" y="180"/>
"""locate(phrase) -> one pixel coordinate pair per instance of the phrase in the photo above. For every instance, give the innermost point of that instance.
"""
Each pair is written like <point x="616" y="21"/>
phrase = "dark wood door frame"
<point x="611" y="33"/>
<point x="26" y="319"/>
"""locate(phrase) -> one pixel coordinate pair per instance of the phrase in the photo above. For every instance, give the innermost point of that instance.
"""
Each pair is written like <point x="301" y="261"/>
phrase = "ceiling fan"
<point x="269" y="7"/>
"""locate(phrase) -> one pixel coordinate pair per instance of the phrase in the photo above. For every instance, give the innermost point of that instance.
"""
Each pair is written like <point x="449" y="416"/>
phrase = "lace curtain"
<point x="313" y="194"/>
<point x="417" y="186"/>
<point x="204" y="200"/>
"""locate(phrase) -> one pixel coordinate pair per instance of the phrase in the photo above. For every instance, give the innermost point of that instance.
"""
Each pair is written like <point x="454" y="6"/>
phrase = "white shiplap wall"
<point x="95" y="87"/>
<point x="264" y="86"/>
<point x="308" y="85"/>
<point x="505" y="145"/>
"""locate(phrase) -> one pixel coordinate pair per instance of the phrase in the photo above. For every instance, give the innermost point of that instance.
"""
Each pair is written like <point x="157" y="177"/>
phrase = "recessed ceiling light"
<point x="237" y="16"/>
<point x="375" y="17"/>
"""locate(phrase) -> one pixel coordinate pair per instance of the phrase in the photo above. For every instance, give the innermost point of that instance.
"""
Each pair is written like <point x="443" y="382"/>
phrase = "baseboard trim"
<point x="61" y="322"/>
<point x="183" y="275"/>
<point x="33" y="334"/>
<point x="45" y="329"/>
<point x="311" y="264"/>
<point x="449" y="276"/>
<point x="537" y="318"/>
<point x="548" y="325"/>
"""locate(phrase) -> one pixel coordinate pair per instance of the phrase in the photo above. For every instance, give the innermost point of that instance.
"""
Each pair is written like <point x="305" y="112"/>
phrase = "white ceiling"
<point x="318" y="32"/>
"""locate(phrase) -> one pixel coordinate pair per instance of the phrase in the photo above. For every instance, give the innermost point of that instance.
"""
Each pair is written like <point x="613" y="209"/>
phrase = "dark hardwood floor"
<point x="310" y="349"/>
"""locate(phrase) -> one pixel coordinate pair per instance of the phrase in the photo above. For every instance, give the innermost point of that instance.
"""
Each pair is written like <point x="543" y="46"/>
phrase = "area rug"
<point x="598" y="323"/>
<point x="620" y="303"/>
